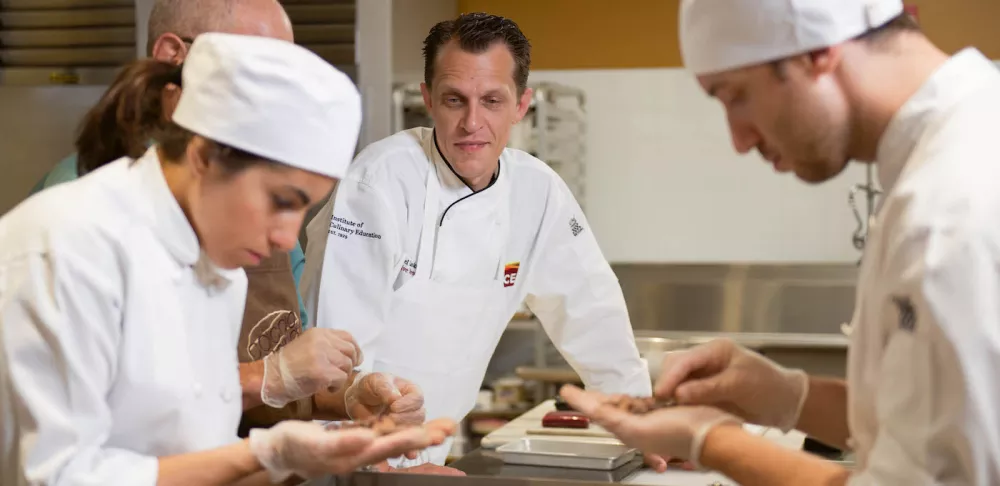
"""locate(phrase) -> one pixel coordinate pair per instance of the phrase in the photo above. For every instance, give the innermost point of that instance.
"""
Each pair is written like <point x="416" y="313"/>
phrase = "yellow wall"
<point x="592" y="34"/>
<point x="954" y="24"/>
<point x="614" y="34"/>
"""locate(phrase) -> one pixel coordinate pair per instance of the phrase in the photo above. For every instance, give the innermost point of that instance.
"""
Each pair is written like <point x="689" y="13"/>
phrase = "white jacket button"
<point x="197" y="389"/>
<point x="227" y="394"/>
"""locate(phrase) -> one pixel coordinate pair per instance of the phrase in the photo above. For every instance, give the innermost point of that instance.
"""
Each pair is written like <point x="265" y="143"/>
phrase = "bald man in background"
<point x="273" y="316"/>
<point x="173" y="24"/>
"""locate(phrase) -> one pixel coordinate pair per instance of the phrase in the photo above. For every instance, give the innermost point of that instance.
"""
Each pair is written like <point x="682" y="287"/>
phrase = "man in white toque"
<point x="813" y="84"/>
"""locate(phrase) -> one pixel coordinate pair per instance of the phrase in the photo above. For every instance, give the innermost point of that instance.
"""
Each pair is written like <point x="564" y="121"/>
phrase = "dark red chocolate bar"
<point x="565" y="420"/>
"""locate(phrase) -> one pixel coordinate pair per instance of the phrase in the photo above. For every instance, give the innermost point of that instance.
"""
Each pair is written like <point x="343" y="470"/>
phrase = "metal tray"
<point x="582" y="454"/>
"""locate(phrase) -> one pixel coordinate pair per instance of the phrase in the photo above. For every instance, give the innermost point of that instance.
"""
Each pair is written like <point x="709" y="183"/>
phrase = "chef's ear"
<point x="169" y="48"/>
<point x="825" y="61"/>
<point x="425" y="91"/>
<point x="198" y="155"/>
<point x="523" y="103"/>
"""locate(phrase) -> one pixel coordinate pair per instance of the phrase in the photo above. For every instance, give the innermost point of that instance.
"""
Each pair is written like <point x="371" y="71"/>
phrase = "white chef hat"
<point x="719" y="35"/>
<point x="270" y="98"/>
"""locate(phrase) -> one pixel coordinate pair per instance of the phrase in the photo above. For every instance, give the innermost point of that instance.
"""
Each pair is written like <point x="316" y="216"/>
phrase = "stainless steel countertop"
<point x="812" y="299"/>
<point x="757" y="340"/>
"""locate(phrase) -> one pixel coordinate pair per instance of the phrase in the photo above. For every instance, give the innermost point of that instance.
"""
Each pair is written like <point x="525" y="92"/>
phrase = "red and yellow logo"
<point x="510" y="273"/>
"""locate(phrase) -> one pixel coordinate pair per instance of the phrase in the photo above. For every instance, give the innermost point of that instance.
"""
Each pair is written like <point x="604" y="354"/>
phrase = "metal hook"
<point x="860" y="234"/>
<point x="871" y="192"/>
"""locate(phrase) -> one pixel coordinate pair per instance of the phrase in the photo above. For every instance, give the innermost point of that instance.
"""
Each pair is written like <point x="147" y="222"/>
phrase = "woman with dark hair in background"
<point x="118" y="312"/>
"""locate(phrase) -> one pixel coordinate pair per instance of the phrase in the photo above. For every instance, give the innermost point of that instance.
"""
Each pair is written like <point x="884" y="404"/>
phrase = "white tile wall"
<point x="664" y="184"/>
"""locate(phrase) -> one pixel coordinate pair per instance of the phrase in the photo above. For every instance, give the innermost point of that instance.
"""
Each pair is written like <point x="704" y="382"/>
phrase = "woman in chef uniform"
<point x="812" y="85"/>
<point x="121" y="294"/>
<point x="275" y="384"/>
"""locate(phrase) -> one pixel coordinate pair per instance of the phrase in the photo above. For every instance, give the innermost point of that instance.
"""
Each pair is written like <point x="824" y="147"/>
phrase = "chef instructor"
<point x="435" y="237"/>
<point x="812" y="85"/>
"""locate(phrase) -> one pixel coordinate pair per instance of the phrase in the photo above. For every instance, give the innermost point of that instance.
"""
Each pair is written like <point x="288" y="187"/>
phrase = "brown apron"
<point x="270" y="321"/>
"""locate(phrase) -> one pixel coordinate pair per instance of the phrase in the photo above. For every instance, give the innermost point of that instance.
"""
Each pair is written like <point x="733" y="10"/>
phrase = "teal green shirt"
<point x="65" y="171"/>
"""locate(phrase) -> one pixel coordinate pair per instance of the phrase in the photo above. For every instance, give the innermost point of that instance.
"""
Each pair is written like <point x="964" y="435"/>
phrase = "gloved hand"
<point x="382" y="394"/>
<point x="736" y="380"/>
<point x="319" y="359"/>
<point x="677" y="432"/>
<point x="308" y="450"/>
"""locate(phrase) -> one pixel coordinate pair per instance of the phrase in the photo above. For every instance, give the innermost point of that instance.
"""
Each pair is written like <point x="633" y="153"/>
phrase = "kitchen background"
<point x="705" y="242"/>
<point x="662" y="182"/>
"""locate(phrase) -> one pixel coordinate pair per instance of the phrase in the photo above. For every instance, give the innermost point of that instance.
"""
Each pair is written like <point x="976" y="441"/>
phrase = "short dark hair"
<point x="875" y="37"/>
<point x="904" y="22"/>
<point x="475" y="33"/>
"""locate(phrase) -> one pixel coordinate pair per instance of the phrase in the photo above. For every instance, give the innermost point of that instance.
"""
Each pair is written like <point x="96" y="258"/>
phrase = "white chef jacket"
<point x="118" y="336"/>
<point x="523" y="237"/>
<point x="924" y="361"/>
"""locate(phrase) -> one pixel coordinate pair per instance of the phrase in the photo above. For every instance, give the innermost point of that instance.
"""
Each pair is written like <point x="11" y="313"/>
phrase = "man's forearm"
<point x="824" y="415"/>
<point x="251" y="382"/>
<point x="755" y="461"/>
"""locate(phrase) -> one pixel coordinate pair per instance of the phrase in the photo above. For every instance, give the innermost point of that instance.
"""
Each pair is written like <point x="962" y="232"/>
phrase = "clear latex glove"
<point x="676" y="432"/>
<point x="737" y="380"/>
<point x="385" y="395"/>
<point x="319" y="359"/>
<point x="308" y="450"/>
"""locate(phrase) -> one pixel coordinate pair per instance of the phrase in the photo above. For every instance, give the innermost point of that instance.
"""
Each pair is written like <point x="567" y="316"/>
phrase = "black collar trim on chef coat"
<point x="496" y="174"/>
